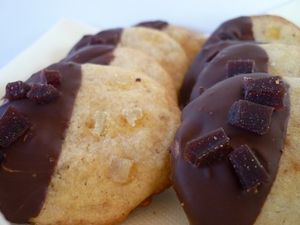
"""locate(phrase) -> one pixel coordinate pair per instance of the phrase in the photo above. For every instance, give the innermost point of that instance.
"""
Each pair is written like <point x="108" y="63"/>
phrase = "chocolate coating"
<point x="106" y="37"/>
<point x="212" y="195"/>
<point x="239" y="29"/>
<point x="228" y="33"/>
<point x="216" y="70"/>
<point x="155" y="24"/>
<point x="30" y="162"/>
<point x="95" y="54"/>
<point x="207" y="54"/>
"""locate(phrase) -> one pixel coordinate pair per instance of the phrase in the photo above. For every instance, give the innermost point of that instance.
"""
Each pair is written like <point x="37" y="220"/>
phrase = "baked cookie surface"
<point x="115" y="152"/>
<point x="190" y="41"/>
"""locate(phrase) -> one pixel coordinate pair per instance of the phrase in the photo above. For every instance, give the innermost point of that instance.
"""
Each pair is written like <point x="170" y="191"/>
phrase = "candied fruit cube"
<point x="240" y="66"/>
<point x="52" y="77"/>
<point x="16" y="90"/>
<point x="13" y="125"/>
<point x="247" y="167"/>
<point x="250" y="116"/>
<point x="266" y="91"/>
<point x="43" y="93"/>
<point x="205" y="150"/>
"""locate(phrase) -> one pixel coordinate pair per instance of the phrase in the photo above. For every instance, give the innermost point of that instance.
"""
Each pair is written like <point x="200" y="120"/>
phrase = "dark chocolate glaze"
<point x="213" y="195"/>
<point x="216" y="70"/>
<point x="207" y="53"/>
<point x="106" y="37"/>
<point x="231" y="31"/>
<point x="30" y="162"/>
<point x="239" y="29"/>
<point x="155" y="24"/>
<point x="95" y="54"/>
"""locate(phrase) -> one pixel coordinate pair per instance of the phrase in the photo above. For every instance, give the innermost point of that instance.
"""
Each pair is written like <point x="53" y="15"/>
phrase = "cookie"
<point x="127" y="58"/>
<point x="271" y="28"/>
<point x="235" y="153"/>
<point x="282" y="203"/>
<point x="189" y="40"/>
<point x="85" y="145"/>
<point x="273" y="58"/>
<point x="158" y="45"/>
<point x="265" y="28"/>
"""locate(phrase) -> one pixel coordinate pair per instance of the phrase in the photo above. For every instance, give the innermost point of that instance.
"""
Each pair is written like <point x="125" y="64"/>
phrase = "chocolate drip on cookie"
<point x="215" y="188"/>
<point x="31" y="157"/>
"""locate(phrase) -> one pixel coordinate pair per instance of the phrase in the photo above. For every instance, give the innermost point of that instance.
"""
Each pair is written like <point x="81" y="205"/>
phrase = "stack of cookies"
<point x="236" y="158"/>
<point x="85" y="140"/>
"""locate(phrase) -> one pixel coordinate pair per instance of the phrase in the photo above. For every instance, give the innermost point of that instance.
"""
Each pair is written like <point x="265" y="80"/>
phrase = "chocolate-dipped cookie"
<point x="265" y="28"/>
<point x="235" y="155"/>
<point x="83" y="144"/>
<point x="156" y="44"/>
<point x="127" y="58"/>
<point x="246" y="58"/>
<point x="190" y="41"/>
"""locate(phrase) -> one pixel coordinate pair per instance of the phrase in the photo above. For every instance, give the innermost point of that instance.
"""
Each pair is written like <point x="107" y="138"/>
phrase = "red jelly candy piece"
<point x="250" y="116"/>
<point x="247" y="167"/>
<point x="43" y="93"/>
<point x="207" y="149"/>
<point x="16" y="90"/>
<point x="240" y="66"/>
<point x="12" y="126"/>
<point x="266" y="91"/>
<point x="52" y="77"/>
